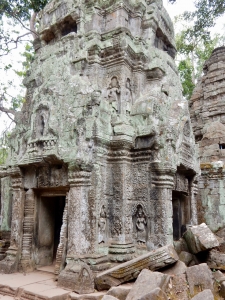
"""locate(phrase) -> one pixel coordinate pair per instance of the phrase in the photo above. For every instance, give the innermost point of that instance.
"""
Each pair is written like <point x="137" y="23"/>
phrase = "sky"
<point x="15" y="59"/>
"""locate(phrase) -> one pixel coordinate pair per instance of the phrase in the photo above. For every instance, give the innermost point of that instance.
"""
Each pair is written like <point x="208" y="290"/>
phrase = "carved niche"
<point x="102" y="225"/>
<point x="140" y="225"/>
<point x="113" y="94"/>
<point x="41" y="122"/>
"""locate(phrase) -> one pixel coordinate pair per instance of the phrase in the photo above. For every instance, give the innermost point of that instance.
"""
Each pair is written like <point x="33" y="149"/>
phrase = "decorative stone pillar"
<point x="28" y="228"/>
<point x="122" y="248"/>
<point x="61" y="251"/>
<point x="161" y="202"/>
<point x="10" y="263"/>
<point x="194" y="193"/>
<point x="79" y="215"/>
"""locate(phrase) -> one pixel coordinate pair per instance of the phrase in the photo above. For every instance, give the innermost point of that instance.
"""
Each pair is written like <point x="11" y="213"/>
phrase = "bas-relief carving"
<point x="141" y="223"/>
<point x="102" y="223"/>
<point x="52" y="176"/>
<point x="114" y="95"/>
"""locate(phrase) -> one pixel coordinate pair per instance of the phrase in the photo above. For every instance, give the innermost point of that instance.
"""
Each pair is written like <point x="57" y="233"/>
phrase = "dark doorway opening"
<point x="181" y="214"/>
<point x="49" y="223"/>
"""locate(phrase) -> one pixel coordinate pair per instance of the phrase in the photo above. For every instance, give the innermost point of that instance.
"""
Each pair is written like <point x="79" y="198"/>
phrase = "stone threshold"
<point x="37" y="285"/>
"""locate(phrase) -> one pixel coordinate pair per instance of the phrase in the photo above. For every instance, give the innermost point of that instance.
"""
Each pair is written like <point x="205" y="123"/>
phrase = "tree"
<point x="19" y="12"/>
<point x="206" y="13"/>
<point x="192" y="52"/>
<point x="195" y="42"/>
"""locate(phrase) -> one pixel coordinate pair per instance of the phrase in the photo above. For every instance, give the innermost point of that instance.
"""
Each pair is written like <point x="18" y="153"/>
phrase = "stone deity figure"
<point x="102" y="225"/>
<point x="128" y="97"/>
<point x="113" y="94"/>
<point x="141" y="226"/>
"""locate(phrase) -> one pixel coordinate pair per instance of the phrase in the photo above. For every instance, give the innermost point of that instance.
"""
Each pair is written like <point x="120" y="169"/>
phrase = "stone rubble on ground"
<point x="199" y="276"/>
<point x="216" y="260"/>
<point x="204" y="295"/>
<point x="200" y="238"/>
<point x="146" y="282"/>
<point x="119" y="292"/>
<point x="127" y="271"/>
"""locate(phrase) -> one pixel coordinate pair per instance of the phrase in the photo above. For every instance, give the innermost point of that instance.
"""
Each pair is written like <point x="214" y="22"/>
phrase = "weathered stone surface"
<point x="178" y="288"/>
<point x="222" y="289"/>
<point x="180" y="245"/>
<point x="93" y="296"/>
<point x="120" y="292"/>
<point x="218" y="276"/>
<point x="176" y="269"/>
<point x="216" y="260"/>
<point x="127" y="271"/>
<point x="78" y="277"/>
<point x="208" y="120"/>
<point x="204" y="295"/>
<point x="108" y="297"/>
<point x="200" y="238"/>
<point x="156" y="294"/>
<point x="146" y="282"/>
<point x="199" y="276"/>
<point x="186" y="257"/>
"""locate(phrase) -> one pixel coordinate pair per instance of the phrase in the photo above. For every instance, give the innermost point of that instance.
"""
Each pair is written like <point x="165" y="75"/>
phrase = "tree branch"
<point x="32" y="25"/>
<point x="8" y="112"/>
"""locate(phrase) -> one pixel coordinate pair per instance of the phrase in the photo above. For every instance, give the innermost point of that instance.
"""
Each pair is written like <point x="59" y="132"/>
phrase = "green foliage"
<point x="20" y="9"/>
<point x="195" y="42"/>
<point x="185" y="69"/>
<point x="4" y="149"/>
<point x="206" y="13"/>
<point x="28" y="55"/>
<point x="193" y="51"/>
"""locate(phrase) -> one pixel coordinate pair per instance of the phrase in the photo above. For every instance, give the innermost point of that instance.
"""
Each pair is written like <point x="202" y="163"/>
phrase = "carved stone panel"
<point x="52" y="176"/>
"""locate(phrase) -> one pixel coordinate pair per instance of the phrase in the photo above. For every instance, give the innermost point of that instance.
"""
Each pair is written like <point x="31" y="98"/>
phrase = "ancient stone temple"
<point x="207" y="108"/>
<point x="103" y="162"/>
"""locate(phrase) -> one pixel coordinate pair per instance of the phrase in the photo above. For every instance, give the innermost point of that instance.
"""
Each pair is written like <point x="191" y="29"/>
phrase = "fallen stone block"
<point x="186" y="257"/>
<point x="108" y="297"/>
<point x="127" y="271"/>
<point x="199" y="277"/>
<point x="204" y="295"/>
<point x="176" y="269"/>
<point x="78" y="277"/>
<point x="200" y="238"/>
<point x="222" y="290"/>
<point x="216" y="260"/>
<point x="120" y="292"/>
<point x="180" y="245"/>
<point x="156" y="294"/>
<point x="146" y="282"/>
<point x="219" y="276"/>
<point x="92" y="296"/>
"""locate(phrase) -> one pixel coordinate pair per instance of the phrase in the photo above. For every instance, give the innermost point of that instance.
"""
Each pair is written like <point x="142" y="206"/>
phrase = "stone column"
<point x="28" y="228"/>
<point x="193" y="196"/>
<point x="122" y="248"/>
<point x="79" y="215"/>
<point x="10" y="263"/>
<point x="161" y="202"/>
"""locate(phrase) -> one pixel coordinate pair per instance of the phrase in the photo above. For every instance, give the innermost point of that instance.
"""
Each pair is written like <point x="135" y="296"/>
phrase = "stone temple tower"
<point x="207" y="108"/>
<point x="103" y="158"/>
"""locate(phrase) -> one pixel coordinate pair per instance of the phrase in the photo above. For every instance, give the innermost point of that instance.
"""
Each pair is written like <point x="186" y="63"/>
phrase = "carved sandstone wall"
<point x="105" y="127"/>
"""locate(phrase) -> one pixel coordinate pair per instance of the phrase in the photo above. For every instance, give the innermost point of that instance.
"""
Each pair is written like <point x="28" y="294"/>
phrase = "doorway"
<point x="49" y="222"/>
<point x="181" y="214"/>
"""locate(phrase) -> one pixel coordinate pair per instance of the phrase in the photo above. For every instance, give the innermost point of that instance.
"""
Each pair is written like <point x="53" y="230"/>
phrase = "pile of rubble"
<point x="189" y="270"/>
